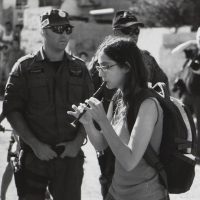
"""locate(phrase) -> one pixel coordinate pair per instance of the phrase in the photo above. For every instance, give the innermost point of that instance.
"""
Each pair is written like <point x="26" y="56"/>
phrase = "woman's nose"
<point x="101" y="73"/>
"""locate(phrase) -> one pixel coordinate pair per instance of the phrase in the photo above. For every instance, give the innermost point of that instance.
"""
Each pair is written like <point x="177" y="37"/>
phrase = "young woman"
<point x="120" y="64"/>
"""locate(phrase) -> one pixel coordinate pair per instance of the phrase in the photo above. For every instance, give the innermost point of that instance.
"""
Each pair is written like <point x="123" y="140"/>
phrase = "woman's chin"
<point x="109" y="86"/>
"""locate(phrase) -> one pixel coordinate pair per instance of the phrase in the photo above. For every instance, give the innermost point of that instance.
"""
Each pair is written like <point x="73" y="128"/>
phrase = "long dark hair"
<point x="126" y="53"/>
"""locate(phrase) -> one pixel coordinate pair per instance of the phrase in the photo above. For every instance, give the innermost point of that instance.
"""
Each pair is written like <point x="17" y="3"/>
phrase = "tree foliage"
<point x="168" y="13"/>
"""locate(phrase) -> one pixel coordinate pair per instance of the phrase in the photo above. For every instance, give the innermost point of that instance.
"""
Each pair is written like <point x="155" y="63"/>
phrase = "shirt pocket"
<point x="38" y="91"/>
<point x="75" y="90"/>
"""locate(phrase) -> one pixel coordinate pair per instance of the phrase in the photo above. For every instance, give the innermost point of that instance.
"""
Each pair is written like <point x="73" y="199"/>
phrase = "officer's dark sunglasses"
<point x="59" y="29"/>
<point x="130" y="31"/>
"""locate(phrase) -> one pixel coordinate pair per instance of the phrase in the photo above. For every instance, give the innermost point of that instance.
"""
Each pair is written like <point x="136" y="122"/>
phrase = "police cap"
<point x="124" y="18"/>
<point x="54" y="17"/>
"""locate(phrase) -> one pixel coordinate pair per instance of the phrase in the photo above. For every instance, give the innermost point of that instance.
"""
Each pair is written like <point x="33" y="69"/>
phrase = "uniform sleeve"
<point x="16" y="91"/>
<point x="156" y="74"/>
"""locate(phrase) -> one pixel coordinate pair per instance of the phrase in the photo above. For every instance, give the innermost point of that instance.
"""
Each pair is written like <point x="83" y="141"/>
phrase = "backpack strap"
<point x="150" y="155"/>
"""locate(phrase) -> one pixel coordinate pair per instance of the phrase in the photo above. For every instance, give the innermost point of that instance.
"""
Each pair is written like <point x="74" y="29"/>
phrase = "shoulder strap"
<point x="150" y="155"/>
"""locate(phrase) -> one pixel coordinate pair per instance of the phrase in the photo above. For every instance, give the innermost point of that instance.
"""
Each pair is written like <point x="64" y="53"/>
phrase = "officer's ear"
<point x="42" y="32"/>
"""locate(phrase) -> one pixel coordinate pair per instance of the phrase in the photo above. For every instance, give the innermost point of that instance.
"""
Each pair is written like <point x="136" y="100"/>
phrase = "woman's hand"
<point x="86" y="117"/>
<point x="96" y="109"/>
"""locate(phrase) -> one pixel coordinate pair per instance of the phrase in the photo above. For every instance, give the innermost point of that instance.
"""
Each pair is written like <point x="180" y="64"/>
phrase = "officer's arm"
<point x="14" y="106"/>
<point x="15" y="102"/>
<point x="19" y="124"/>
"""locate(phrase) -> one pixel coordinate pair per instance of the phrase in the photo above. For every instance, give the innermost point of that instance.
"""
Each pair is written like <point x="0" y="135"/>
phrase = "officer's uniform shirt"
<point x="44" y="91"/>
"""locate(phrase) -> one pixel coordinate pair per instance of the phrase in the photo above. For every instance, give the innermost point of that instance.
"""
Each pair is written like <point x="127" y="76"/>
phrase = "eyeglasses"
<point x="104" y="68"/>
<point x="130" y="31"/>
<point x="59" y="29"/>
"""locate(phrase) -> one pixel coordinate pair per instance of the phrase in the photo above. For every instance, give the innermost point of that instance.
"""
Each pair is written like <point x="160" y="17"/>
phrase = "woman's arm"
<point x="129" y="154"/>
<point x="96" y="137"/>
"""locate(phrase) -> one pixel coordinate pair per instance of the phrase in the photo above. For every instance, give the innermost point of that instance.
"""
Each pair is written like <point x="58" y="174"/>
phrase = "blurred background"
<point x="167" y="24"/>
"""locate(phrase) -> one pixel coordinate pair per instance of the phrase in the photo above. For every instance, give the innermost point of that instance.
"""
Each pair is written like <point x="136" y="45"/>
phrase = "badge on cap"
<point x="125" y="14"/>
<point x="45" y="23"/>
<point x="61" y="13"/>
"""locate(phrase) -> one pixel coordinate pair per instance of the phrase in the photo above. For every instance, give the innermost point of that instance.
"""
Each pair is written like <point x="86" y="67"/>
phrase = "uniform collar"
<point x="41" y="56"/>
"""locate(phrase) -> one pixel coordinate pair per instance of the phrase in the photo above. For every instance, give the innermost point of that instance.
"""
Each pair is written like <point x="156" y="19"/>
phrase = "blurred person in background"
<point x="17" y="32"/>
<point x="7" y="35"/>
<point x="125" y="24"/>
<point x="15" y="52"/>
<point x="6" y="40"/>
<point x="12" y="154"/>
<point x="187" y="82"/>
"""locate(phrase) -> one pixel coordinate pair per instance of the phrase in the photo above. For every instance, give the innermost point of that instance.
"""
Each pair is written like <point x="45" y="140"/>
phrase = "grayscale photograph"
<point x="99" y="100"/>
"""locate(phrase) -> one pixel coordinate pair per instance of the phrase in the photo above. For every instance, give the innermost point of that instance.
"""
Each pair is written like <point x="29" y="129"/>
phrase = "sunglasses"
<point x="104" y="68"/>
<point x="130" y="31"/>
<point x="60" y="29"/>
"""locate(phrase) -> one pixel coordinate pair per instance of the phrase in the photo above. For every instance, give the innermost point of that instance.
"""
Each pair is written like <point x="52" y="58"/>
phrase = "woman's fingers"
<point x="74" y="113"/>
<point x="81" y="107"/>
<point x="92" y="101"/>
<point x="96" y="101"/>
<point x="75" y="107"/>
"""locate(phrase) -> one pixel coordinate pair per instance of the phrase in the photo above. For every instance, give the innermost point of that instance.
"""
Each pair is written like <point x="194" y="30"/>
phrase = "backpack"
<point x="176" y="162"/>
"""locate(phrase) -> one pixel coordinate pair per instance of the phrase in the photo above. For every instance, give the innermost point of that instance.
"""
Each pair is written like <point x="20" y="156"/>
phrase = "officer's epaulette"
<point x="26" y="57"/>
<point x="146" y="52"/>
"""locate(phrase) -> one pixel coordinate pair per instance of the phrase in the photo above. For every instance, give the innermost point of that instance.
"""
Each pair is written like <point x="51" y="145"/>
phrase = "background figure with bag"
<point x="187" y="83"/>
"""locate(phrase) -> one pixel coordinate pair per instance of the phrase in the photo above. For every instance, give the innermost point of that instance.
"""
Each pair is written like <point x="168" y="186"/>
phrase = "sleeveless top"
<point x="141" y="183"/>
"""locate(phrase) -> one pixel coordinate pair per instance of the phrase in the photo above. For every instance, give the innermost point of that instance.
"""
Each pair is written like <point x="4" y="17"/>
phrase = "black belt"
<point x="58" y="149"/>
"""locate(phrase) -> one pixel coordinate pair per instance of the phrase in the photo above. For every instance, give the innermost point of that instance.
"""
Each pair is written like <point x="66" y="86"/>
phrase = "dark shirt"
<point x="156" y="74"/>
<point x="44" y="93"/>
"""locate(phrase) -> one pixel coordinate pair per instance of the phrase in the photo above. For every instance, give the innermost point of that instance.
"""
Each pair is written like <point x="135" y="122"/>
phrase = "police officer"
<point x="40" y="90"/>
<point x="125" y="24"/>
